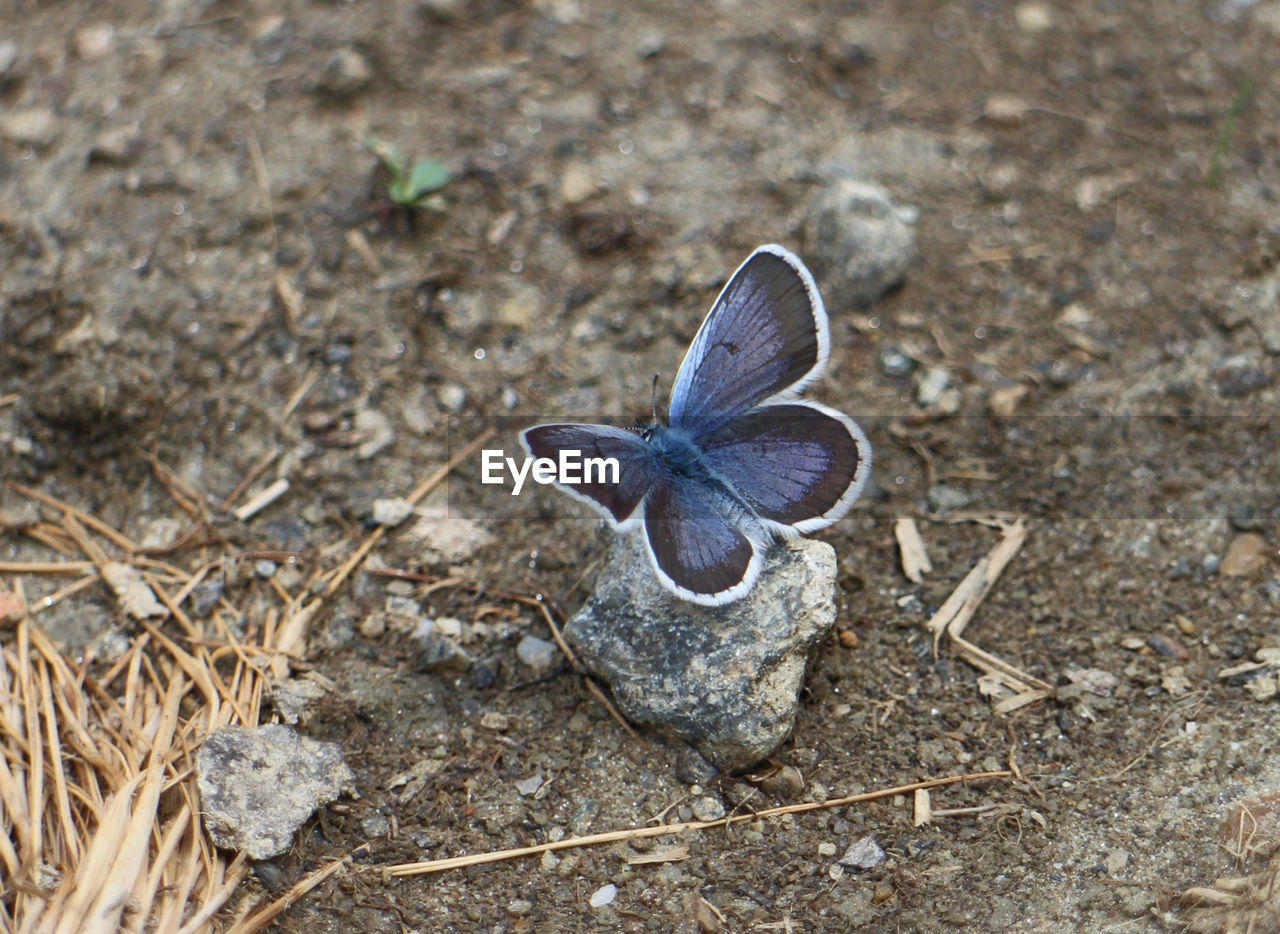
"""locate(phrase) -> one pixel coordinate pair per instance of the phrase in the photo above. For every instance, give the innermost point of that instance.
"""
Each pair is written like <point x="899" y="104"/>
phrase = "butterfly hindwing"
<point x="765" y="337"/>
<point x="698" y="549"/>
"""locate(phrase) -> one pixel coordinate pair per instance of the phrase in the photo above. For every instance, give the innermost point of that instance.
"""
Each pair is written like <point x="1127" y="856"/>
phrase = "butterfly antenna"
<point x="653" y="406"/>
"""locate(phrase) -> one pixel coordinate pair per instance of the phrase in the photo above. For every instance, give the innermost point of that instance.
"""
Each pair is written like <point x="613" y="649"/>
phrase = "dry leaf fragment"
<point x="134" y="594"/>
<point x="915" y="560"/>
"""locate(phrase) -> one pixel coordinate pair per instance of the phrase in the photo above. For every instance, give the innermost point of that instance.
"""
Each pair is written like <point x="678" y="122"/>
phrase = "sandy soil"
<point x="197" y="253"/>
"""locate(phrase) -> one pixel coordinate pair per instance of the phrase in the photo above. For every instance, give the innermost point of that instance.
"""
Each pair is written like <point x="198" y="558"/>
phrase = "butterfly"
<point x="742" y="460"/>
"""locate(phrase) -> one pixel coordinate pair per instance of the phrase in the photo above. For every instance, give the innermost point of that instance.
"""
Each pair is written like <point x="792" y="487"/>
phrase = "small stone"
<point x="265" y="569"/>
<point x="603" y="896"/>
<point x="391" y="512"/>
<point x="863" y="241"/>
<point x="930" y="384"/>
<point x="347" y="72"/>
<point x="446" y="539"/>
<point x="863" y="854"/>
<point x="94" y="41"/>
<point x="496" y="721"/>
<point x="1180" y="569"/>
<point x="1239" y="376"/>
<point x="538" y="654"/>
<point x="258" y="785"/>
<point x="943" y="498"/>
<point x="1116" y="861"/>
<point x="693" y="769"/>
<point x="708" y="808"/>
<point x="292" y="697"/>
<point x="894" y="362"/>
<point x="1264" y="687"/>
<point x="375" y="429"/>
<point x="519" y="907"/>
<point x="374" y="825"/>
<point x="452" y="397"/>
<point x="786" y="782"/>
<point x="1210" y="564"/>
<point x="8" y="55"/>
<point x="34" y="126"/>
<point x="1246" y="553"/>
<point x="576" y="183"/>
<point x="527" y="786"/>
<point x="117" y="145"/>
<point x="1246" y="517"/>
<point x="1032" y="18"/>
<point x="826" y="848"/>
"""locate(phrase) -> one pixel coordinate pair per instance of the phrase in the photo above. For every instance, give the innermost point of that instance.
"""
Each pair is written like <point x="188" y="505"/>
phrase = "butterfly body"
<point x="743" y="459"/>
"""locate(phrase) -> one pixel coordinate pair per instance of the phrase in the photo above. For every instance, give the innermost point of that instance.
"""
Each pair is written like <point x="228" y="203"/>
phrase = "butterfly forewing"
<point x="636" y="473"/>
<point x="799" y="465"/>
<point x="765" y="336"/>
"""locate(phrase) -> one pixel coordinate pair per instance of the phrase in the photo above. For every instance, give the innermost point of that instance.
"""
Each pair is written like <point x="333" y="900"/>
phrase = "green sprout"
<point x="412" y="184"/>
<point x="1214" y="176"/>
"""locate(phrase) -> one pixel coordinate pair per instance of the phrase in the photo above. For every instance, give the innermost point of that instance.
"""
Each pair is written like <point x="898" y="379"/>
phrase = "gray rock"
<point x="944" y="498"/>
<point x="862" y="242"/>
<point x="538" y="654"/>
<point x="723" y="679"/>
<point x="863" y="854"/>
<point x="258" y="785"/>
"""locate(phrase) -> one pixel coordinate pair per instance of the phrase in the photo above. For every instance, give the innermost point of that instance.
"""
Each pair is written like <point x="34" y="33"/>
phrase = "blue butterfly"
<point x="742" y="460"/>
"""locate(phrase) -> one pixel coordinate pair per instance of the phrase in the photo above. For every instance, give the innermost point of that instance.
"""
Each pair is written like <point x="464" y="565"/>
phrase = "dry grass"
<point x="99" y="814"/>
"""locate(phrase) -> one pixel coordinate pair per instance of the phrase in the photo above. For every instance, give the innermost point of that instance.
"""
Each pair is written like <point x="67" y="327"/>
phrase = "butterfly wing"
<point x="700" y="549"/>
<point x="636" y="466"/>
<point x="799" y="465"/>
<point x="765" y="338"/>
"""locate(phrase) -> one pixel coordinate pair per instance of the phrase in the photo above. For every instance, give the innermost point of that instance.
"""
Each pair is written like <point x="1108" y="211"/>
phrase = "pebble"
<point x="346" y="72"/>
<point x="265" y="569"/>
<point x="944" y="498"/>
<point x="520" y="907"/>
<point x="35" y="126"/>
<point x="452" y="397"/>
<point x="538" y="654"/>
<point x="1209" y="565"/>
<point x="117" y="145"/>
<point x="495" y="720"/>
<point x="1246" y="554"/>
<point x="895" y="363"/>
<point x="1180" y="569"/>
<point x="863" y="242"/>
<point x="1238" y="376"/>
<point x="8" y="55"/>
<point x="785" y="783"/>
<point x="527" y="786"/>
<point x="708" y="808"/>
<point x="391" y="512"/>
<point x="94" y="41"/>
<point x="931" y="382"/>
<point x="603" y="895"/>
<point x="1032" y="18"/>
<point x="375" y="825"/>
<point x="1246" y="517"/>
<point x="826" y="849"/>
<point x="863" y="854"/>
<point x="576" y="183"/>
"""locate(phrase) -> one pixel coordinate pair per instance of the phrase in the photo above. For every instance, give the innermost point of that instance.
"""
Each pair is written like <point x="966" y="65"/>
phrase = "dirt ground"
<point x="198" y="257"/>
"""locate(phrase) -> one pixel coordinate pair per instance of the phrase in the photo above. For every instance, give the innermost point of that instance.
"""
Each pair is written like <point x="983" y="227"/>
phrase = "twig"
<point x="613" y="836"/>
